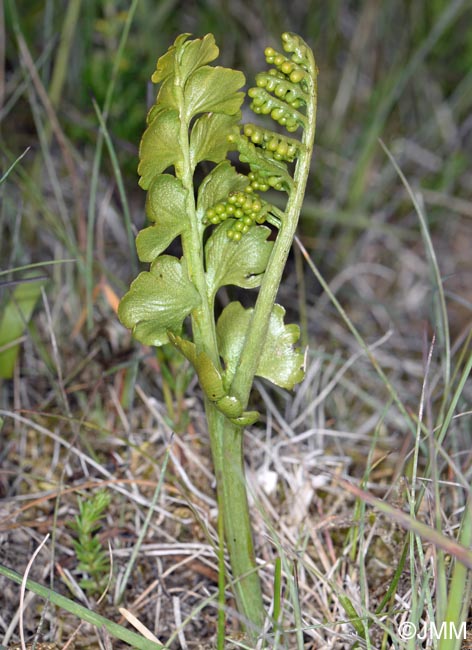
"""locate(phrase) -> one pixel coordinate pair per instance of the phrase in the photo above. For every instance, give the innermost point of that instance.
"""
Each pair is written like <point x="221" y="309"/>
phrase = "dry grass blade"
<point x="136" y="623"/>
<point x="23" y="590"/>
<point x="450" y="546"/>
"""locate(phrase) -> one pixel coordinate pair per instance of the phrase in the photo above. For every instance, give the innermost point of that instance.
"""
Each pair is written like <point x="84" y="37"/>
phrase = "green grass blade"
<point x="144" y="528"/>
<point x="449" y="545"/>
<point x="443" y="324"/>
<point x="297" y="613"/>
<point x="393" y="92"/>
<point x="121" y="189"/>
<point x="118" y="631"/>
<point x="277" y="591"/>
<point x="35" y="265"/>
<point x="89" y="254"/>
<point x="391" y="389"/>
<point x="352" y="614"/>
<point x="16" y="315"/>
<point x="455" y="398"/>
<point x="13" y="165"/>
<point x="61" y="64"/>
<point x="459" y="591"/>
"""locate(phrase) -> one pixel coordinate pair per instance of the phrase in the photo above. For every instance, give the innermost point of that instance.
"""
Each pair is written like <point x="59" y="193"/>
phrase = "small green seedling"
<point x="222" y="226"/>
<point x="94" y="561"/>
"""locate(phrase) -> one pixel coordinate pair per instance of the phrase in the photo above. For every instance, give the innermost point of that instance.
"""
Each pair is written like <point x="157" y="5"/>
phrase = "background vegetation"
<point x="84" y="409"/>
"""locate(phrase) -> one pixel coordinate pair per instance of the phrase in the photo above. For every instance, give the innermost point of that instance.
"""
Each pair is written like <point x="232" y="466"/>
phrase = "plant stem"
<point x="220" y="633"/>
<point x="227" y="451"/>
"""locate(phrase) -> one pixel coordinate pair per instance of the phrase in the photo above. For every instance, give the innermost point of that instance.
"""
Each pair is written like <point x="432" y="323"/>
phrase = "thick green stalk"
<point x="227" y="451"/>
<point x="257" y="331"/>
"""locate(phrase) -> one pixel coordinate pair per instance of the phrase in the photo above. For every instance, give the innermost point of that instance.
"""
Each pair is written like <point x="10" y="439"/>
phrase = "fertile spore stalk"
<point x="196" y="117"/>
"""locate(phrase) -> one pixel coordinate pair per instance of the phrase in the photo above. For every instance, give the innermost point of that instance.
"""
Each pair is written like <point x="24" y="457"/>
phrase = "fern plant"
<point x="196" y="118"/>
